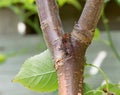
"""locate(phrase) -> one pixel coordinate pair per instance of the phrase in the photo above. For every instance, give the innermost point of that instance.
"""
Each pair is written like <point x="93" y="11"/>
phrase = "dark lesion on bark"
<point x="70" y="68"/>
<point x="67" y="45"/>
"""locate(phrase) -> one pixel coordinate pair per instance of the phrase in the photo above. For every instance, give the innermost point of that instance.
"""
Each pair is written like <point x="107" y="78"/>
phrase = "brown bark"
<point x="68" y="50"/>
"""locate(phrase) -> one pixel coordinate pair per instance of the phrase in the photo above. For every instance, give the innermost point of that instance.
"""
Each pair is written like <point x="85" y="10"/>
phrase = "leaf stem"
<point x="103" y="74"/>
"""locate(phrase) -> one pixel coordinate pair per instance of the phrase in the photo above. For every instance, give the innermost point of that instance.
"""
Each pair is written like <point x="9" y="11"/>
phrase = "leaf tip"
<point x="14" y="80"/>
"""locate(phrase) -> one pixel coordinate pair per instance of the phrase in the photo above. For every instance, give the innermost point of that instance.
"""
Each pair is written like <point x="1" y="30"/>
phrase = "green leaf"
<point x="106" y="1"/>
<point x="94" y="92"/>
<point x="61" y="2"/>
<point x="86" y="88"/>
<point x="3" y="58"/>
<point x="118" y="2"/>
<point x="38" y="73"/>
<point x="5" y="3"/>
<point x="97" y="34"/>
<point x="113" y="88"/>
<point x="75" y="3"/>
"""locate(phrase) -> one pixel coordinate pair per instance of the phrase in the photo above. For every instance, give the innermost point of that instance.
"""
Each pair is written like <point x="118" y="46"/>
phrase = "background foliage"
<point x="26" y="9"/>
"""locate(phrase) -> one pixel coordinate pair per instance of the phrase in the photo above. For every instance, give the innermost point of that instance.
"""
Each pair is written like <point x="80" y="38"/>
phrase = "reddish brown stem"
<point x="84" y="29"/>
<point x="68" y="50"/>
<point x="50" y="22"/>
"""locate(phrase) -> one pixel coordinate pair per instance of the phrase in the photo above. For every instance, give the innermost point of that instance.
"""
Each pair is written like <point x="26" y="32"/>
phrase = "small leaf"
<point x="112" y="88"/>
<point x="97" y="34"/>
<point x="2" y="58"/>
<point x="89" y="91"/>
<point x="94" y="92"/>
<point x="61" y="2"/>
<point x="75" y="3"/>
<point x="86" y="88"/>
<point x="118" y="2"/>
<point x="106" y="1"/>
<point x="38" y="73"/>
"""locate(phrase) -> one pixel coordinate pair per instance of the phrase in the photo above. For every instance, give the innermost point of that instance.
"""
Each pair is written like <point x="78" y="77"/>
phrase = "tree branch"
<point x="84" y="29"/>
<point x="68" y="50"/>
<point x="50" y="23"/>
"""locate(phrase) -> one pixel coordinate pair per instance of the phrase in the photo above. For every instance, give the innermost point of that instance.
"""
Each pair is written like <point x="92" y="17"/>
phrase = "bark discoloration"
<point x="67" y="45"/>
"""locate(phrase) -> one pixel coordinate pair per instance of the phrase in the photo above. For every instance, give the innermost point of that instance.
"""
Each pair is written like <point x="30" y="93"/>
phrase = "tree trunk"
<point x="68" y="49"/>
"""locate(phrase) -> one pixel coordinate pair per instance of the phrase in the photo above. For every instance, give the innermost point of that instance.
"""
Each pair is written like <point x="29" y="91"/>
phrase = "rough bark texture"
<point x="68" y="49"/>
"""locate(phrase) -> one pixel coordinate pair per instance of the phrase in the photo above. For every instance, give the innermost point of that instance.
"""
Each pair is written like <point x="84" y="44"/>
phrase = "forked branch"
<point x="68" y="50"/>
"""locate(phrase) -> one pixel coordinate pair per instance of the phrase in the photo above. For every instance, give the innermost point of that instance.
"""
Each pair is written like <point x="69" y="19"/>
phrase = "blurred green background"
<point x="69" y="9"/>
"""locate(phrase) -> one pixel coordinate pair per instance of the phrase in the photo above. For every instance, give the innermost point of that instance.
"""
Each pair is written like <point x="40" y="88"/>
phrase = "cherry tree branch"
<point x="84" y="29"/>
<point x="68" y="50"/>
<point x="50" y="22"/>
